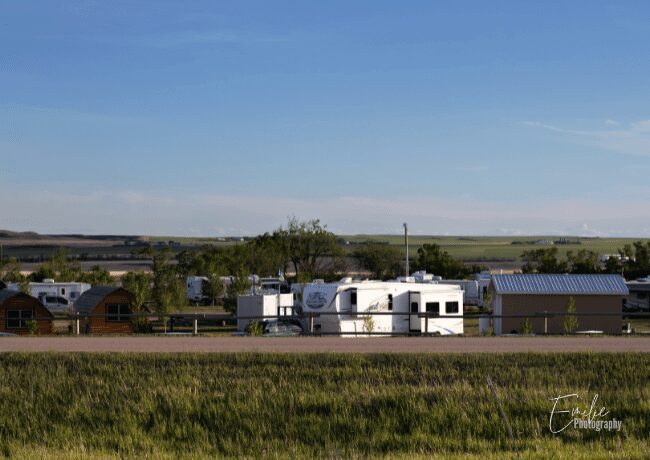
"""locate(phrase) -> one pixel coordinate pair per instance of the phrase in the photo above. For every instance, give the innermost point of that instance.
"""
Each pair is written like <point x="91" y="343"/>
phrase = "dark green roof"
<point x="94" y="296"/>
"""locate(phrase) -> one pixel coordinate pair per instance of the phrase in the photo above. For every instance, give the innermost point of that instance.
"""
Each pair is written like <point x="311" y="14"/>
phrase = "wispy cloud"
<point x="193" y="213"/>
<point x="629" y="139"/>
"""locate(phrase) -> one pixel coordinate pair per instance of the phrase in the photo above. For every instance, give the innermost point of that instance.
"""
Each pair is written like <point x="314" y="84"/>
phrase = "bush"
<point x="32" y="326"/>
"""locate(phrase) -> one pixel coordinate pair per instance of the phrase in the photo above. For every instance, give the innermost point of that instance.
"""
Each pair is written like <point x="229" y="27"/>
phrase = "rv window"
<point x="433" y="307"/>
<point x="390" y="302"/>
<point x="62" y="291"/>
<point x="16" y="319"/>
<point x="353" y="297"/>
<point x="451" y="307"/>
<point x="414" y="307"/>
<point x="117" y="312"/>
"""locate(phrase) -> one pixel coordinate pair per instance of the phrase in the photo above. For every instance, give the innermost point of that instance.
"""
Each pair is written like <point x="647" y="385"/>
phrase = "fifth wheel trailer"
<point x="347" y="301"/>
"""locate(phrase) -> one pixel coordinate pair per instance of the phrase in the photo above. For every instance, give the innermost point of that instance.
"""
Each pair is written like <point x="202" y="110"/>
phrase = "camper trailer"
<point x="56" y="297"/>
<point x="348" y="300"/>
<point x="469" y="287"/>
<point x="263" y="307"/>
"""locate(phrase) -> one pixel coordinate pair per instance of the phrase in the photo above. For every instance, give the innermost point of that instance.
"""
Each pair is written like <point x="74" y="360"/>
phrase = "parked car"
<point x="279" y="328"/>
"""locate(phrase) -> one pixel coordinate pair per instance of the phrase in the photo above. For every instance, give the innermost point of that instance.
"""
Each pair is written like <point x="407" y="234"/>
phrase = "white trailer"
<point x="469" y="287"/>
<point x="348" y="300"/>
<point x="56" y="296"/>
<point x="260" y="307"/>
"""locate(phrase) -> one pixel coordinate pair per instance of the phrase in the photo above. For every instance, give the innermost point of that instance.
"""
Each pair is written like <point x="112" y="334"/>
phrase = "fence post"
<point x="311" y="323"/>
<point x="426" y="324"/>
<point x="545" y="322"/>
<point x="76" y="322"/>
<point x="196" y="326"/>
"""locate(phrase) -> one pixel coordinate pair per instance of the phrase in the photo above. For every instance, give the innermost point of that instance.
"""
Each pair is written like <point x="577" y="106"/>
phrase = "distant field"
<point x="477" y="248"/>
<point x="315" y="406"/>
<point x="495" y="252"/>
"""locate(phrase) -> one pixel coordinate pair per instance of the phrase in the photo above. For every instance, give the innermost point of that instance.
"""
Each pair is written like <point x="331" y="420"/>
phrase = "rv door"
<point x="414" y="308"/>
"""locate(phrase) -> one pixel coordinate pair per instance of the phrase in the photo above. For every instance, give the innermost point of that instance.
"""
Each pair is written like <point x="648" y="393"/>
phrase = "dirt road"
<point x="326" y="344"/>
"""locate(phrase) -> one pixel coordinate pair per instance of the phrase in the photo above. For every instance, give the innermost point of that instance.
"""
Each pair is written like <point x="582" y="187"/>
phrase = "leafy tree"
<point x="214" y="288"/>
<point x="139" y="284"/>
<point x="438" y="262"/>
<point x="312" y="249"/>
<point x="268" y="253"/>
<point x="637" y="259"/>
<point x="168" y="287"/>
<point x="59" y="268"/>
<point x="382" y="260"/>
<point x="97" y="276"/>
<point x="570" y="320"/>
<point x="583" y="262"/>
<point x="239" y="284"/>
<point x="542" y="261"/>
<point x="11" y="271"/>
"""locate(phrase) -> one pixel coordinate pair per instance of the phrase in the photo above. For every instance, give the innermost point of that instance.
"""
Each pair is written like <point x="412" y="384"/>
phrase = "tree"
<point x="583" y="262"/>
<point x="570" y="320"/>
<point x="268" y="254"/>
<point x="438" y="262"/>
<point x="312" y="249"/>
<point x="139" y="284"/>
<point x="382" y="260"/>
<point x="168" y="287"/>
<point x="214" y="288"/>
<point x="239" y="284"/>
<point x="97" y="276"/>
<point x="59" y="268"/>
<point x="542" y="261"/>
<point x="636" y="259"/>
<point x="11" y="271"/>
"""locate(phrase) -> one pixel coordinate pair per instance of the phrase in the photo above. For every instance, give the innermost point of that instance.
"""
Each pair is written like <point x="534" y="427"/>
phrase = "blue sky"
<point x="213" y="118"/>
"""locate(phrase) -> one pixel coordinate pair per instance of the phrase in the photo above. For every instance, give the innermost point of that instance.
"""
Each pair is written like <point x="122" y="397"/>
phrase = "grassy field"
<point x="336" y="406"/>
<point x="479" y="248"/>
<point x="468" y="248"/>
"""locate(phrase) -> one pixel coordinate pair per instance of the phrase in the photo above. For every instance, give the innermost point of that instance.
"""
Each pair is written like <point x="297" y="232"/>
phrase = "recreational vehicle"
<point x="344" y="304"/>
<point x="263" y="307"/>
<point x="56" y="297"/>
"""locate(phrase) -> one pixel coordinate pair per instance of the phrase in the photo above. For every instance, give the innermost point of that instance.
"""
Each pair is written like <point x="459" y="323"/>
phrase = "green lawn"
<point x="305" y="406"/>
<point x="496" y="247"/>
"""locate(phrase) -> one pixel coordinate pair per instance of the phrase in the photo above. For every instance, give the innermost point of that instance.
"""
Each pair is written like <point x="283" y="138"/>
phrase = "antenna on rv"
<point x="406" y="243"/>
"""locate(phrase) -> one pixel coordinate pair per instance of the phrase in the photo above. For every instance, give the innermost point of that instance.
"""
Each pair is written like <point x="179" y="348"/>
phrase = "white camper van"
<point x="57" y="296"/>
<point x="348" y="300"/>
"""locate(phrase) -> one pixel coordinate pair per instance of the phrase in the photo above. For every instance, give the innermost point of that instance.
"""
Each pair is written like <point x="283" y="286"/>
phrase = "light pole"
<point x="406" y="243"/>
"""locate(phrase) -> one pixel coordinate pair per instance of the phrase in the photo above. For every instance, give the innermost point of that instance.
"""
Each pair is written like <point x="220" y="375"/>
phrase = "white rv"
<point x="263" y="307"/>
<point x="347" y="301"/>
<point x="56" y="296"/>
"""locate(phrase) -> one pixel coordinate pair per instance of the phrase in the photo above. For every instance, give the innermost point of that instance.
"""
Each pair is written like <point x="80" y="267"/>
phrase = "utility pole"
<point x="406" y="244"/>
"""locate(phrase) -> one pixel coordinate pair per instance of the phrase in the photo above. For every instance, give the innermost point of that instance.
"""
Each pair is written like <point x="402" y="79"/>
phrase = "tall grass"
<point x="158" y="405"/>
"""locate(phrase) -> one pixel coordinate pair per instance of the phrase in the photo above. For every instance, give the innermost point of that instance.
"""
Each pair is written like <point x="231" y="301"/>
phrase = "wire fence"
<point x="194" y="323"/>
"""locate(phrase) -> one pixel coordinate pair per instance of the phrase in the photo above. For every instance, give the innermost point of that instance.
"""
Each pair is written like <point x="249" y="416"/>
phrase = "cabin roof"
<point x="560" y="284"/>
<point x="94" y="296"/>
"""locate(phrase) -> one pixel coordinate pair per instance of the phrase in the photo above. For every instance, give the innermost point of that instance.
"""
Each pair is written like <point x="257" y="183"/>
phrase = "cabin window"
<point x="433" y="307"/>
<point x="118" y="312"/>
<point x="390" y="302"/>
<point x="414" y="307"/>
<point x="353" y="297"/>
<point x="17" y="319"/>
<point x="451" y="307"/>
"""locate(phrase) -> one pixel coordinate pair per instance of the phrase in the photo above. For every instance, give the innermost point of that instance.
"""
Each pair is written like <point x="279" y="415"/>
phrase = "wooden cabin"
<point x="18" y="308"/>
<point x="105" y="310"/>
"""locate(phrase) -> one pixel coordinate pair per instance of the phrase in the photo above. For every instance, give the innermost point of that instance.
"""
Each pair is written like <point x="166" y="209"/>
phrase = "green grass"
<point x="328" y="405"/>
<point x="497" y="247"/>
